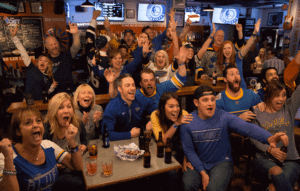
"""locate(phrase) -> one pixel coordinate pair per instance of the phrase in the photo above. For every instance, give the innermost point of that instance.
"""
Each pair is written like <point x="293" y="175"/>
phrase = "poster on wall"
<point x="275" y="19"/>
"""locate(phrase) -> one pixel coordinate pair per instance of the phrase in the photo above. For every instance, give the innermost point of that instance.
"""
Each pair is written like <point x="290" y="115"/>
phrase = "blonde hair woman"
<point x="61" y="114"/>
<point x="89" y="112"/>
<point x="259" y="61"/>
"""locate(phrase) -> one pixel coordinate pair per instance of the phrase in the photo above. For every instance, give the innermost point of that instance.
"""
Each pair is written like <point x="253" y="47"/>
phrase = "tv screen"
<point x="193" y="12"/>
<point x="10" y="8"/>
<point x="151" y="12"/>
<point x="114" y="11"/>
<point x="225" y="16"/>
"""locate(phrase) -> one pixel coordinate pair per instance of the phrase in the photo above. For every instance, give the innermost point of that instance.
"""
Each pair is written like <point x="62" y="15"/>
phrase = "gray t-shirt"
<point x="90" y="126"/>
<point x="280" y="121"/>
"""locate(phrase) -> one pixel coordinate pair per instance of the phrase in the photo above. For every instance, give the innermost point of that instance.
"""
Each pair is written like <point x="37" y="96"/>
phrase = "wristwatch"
<point x="175" y="126"/>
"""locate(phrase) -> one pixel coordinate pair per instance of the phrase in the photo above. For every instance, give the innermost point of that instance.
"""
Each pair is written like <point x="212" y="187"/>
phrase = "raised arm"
<point x="173" y="26"/>
<point x="110" y="77"/>
<point x="292" y="71"/>
<point x="185" y="30"/>
<point x="206" y="43"/>
<point x="76" y="39"/>
<point x="107" y="27"/>
<point x="7" y="182"/>
<point x="181" y="61"/>
<point x="252" y="39"/>
<point x="20" y="46"/>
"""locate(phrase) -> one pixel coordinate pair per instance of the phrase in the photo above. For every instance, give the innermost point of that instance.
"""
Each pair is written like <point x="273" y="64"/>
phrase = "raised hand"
<point x="184" y="119"/>
<point x="109" y="75"/>
<point x="173" y="25"/>
<point x="6" y="148"/>
<point x="146" y="47"/>
<point x="85" y="117"/>
<point x="238" y="27"/>
<point x="55" y="83"/>
<point x="106" y="23"/>
<point x="70" y="134"/>
<point x="172" y="13"/>
<point x="97" y="116"/>
<point x="13" y="31"/>
<point x="73" y="28"/>
<point x="96" y="14"/>
<point x="181" y="57"/>
<point x="189" y="22"/>
<point x="214" y="30"/>
<point x="256" y="27"/>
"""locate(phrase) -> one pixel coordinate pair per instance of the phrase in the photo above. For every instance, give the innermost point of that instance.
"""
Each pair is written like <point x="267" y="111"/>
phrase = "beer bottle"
<point x="160" y="146"/>
<point x="214" y="82"/>
<point x="44" y="95"/>
<point x="168" y="152"/>
<point x="105" y="137"/>
<point x="283" y="149"/>
<point x="147" y="156"/>
<point x="142" y="139"/>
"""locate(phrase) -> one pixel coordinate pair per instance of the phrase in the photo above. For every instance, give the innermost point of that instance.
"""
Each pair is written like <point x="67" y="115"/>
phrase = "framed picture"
<point x="250" y="21"/>
<point x="36" y="7"/>
<point x="179" y="4"/>
<point x="275" y="18"/>
<point x="21" y="8"/>
<point x="179" y="17"/>
<point x="130" y="13"/>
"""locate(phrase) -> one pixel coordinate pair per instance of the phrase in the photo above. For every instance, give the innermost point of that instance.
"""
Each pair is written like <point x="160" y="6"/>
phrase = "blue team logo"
<point x="229" y="16"/>
<point x="155" y="12"/>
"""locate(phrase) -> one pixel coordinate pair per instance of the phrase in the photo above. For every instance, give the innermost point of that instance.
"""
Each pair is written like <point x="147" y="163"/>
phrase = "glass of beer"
<point x="93" y="150"/>
<point x="107" y="167"/>
<point x="91" y="166"/>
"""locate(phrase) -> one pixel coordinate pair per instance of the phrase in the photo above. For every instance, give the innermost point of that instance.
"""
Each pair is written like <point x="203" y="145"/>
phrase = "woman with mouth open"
<point x="39" y="77"/>
<point x="280" y="169"/>
<point x="89" y="112"/>
<point x="115" y="60"/>
<point x="61" y="113"/>
<point x="30" y="162"/>
<point x="228" y="56"/>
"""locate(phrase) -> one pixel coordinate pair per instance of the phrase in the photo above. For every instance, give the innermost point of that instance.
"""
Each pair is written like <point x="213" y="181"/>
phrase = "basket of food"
<point x="129" y="152"/>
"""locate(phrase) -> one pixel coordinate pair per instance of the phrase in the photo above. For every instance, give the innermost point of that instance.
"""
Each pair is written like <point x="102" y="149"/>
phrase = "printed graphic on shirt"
<point x="47" y="180"/>
<point x="276" y="124"/>
<point x="208" y="135"/>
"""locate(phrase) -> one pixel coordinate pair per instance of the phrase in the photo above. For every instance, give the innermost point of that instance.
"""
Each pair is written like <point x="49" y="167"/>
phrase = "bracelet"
<point x="73" y="150"/>
<point x="9" y="172"/>
<point x="181" y="64"/>
<point x="175" y="126"/>
<point x="211" y="37"/>
<point x="254" y="35"/>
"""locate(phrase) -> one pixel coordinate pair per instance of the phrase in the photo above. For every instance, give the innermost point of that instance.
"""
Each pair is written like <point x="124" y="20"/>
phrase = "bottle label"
<point x="106" y="142"/>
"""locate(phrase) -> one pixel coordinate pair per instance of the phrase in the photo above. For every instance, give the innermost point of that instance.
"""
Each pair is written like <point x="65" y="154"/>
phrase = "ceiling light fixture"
<point x="208" y="8"/>
<point x="87" y="4"/>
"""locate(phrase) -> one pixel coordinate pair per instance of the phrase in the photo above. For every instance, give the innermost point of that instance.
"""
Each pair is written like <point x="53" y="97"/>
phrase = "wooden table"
<point x="124" y="171"/>
<point x="100" y="99"/>
<point x="104" y="98"/>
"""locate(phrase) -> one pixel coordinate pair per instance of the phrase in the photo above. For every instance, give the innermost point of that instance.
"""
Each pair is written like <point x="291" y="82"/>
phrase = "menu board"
<point x="30" y="33"/>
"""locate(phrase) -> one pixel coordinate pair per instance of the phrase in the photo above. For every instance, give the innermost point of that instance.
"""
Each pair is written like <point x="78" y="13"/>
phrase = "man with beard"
<point x="206" y="142"/>
<point x="267" y="76"/>
<point x="123" y="115"/>
<point x="235" y="99"/>
<point x="62" y="61"/>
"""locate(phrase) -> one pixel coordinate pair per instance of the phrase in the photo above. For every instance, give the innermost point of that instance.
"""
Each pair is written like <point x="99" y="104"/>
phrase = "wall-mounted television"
<point x="10" y="8"/>
<point x="151" y="12"/>
<point x="114" y="11"/>
<point x="194" y="12"/>
<point x="225" y="16"/>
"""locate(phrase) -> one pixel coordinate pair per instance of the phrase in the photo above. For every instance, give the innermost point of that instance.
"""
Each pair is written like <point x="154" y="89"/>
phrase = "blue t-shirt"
<point x="37" y="177"/>
<point x="237" y="105"/>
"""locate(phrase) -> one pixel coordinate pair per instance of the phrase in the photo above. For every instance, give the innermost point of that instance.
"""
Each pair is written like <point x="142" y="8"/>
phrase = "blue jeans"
<point x="219" y="178"/>
<point x="283" y="181"/>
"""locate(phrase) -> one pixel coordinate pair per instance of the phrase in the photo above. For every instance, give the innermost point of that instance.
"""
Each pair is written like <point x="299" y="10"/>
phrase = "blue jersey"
<point x="37" y="177"/>
<point x="172" y="85"/>
<point x="237" y="105"/>
<point x="121" y="118"/>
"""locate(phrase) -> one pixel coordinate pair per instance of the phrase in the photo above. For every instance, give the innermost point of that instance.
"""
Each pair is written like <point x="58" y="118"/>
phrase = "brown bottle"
<point x="147" y="156"/>
<point x="168" y="152"/>
<point x="160" y="146"/>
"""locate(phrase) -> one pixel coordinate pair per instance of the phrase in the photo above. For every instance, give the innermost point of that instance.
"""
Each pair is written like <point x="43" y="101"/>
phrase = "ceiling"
<point x="244" y="3"/>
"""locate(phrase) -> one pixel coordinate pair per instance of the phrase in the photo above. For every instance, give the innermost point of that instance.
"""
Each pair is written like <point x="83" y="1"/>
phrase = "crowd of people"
<point x="141" y="78"/>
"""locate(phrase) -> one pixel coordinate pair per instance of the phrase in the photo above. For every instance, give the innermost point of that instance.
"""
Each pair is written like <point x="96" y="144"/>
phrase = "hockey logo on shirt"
<point x="137" y="109"/>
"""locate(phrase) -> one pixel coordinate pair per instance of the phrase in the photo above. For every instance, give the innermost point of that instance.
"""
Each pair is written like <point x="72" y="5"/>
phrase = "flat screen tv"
<point x="151" y="12"/>
<point x="114" y="11"/>
<point x="225" y="16"/>
<point x="10" y="8"/>
<point x="193" y="12"/>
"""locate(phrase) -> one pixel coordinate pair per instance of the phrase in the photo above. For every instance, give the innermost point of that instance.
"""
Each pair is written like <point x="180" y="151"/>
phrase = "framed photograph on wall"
<point x="21" y="8"/>
<point x="130" y="13"/>
<point x="179" y="4"/>
<point x="275" y="19"/>
<point x="36" y="7"/>
<point x="179" y="17"/>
